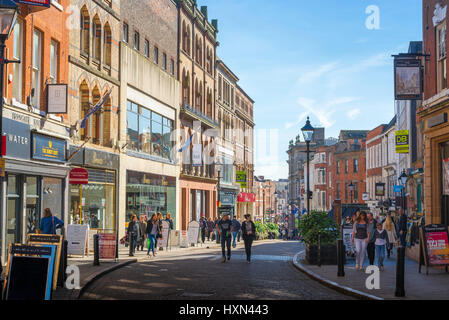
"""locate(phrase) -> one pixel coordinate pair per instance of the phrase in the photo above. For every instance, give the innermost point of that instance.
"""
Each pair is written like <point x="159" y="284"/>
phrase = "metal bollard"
<point x="131" y="244"/>
<point x="400" y="272"/>
<point x="319" y="250"/>
<point x="341" y="258"/>
<point x="96" y="250"/>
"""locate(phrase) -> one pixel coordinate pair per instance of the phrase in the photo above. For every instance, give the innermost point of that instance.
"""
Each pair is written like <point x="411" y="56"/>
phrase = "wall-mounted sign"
<point x="41" y="3"/>
<point x="434" y="246"/>
<point x="246" y="197"/>
<point x="197" y="155"/>
<point x="79" y="176"/>
<point x="48" y="148"/>
<point x="407" y="79"/>
<point x="57" y="98"/>
<point x="241" y="178"/>
<point x="365" y="196"/>
<point x="17" y="139"/>
<point x="402" y="141"/>
<point x="380" y="189"/>
<point x="397" y="189"/>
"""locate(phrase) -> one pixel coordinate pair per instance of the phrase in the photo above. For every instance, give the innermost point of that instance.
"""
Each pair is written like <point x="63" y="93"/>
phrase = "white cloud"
<point x="353" y="113"/>
<point x="311" y="76"/>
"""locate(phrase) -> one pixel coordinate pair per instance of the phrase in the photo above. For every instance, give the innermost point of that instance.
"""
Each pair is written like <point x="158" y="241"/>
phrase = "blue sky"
<point x="297" y="58"/>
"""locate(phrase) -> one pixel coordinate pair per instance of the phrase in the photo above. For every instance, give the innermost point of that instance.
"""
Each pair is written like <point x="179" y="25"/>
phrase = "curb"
<point x="90" y="280"/>
<point x="331" y="284"/>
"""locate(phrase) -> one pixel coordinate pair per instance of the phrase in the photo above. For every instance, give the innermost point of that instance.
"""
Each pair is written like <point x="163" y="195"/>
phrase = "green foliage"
<point x="274" y="228"/>
<point x="316" y="223"/>
<point x="261" y="230"/>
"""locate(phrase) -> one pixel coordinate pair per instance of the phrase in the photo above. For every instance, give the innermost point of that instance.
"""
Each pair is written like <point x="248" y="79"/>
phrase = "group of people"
<point x="209" y="229"/>
<point x="376" y="237"/>
<point x="140" y="232"/>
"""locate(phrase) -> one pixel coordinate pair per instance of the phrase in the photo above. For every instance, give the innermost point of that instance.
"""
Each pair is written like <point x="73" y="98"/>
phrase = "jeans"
<point x="203" y="235"/>
<point x="135" y="243"/>
<point x="152" y="238"/>
<point x="248" y="244"/>
<point x="371" y="252"/>
<point x="402" y="238"/>
<point x="360" y="248"/>
<point x="380" y="254"/>
<point x="234" y="238"/>
<point x="226" y="241"/>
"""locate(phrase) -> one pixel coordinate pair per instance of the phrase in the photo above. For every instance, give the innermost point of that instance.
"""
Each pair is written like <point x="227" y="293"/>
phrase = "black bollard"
<point x="131" y="244"/>
<point x="319" y="249"/>
<point x="96" y="250"/>
<point x="341" y="258"/>
<point x="400" y="272"/>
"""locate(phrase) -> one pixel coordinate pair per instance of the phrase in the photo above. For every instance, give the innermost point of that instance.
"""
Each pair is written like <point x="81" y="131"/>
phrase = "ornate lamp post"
<point x="403" y="181"/>
<point x="307" y="132"/>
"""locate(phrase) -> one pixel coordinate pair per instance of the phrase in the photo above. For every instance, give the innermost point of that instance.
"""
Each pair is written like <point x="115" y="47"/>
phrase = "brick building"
<point x="374" y="164"/>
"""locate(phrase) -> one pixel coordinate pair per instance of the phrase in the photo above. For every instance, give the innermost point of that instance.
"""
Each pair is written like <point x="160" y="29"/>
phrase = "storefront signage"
<point x="241" y="178"/>
<point x="408" y="85"/>
<point x="79" y="176"/>
<point x="49" y="148"/>
<point x="101" y="159"/>
<point x="246" y="197"/>
<point x="402" y="141"/>
<point x="434" y="246"/>
<point x="57" y="98"/>
<point x="107" y="244"/>
<point x="17" y="139"/>
<point x="193" y="232"/>
<point x="197" y="155"/>
<point x="37" y="263"/>
<point x="380" y="189"/>
<point x="41" y="3"/>
<point x="77" y="238"/>
<point x="227" y="199"/>
<point x="437" y="120"/>
<point x="397" y="189"/>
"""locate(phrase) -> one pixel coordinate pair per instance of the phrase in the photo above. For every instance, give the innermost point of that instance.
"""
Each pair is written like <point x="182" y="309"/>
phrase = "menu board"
<point x="77" y="238"/>
<point x="107" y="244"/>
<point x="434" y="246"/>
<point x="347" y="237"/>
<point x="165" y="235"/>
<point x="193" y="232"/>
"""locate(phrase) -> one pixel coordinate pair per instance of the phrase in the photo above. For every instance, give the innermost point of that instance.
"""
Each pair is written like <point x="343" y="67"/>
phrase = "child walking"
<point x="381" y="243"/>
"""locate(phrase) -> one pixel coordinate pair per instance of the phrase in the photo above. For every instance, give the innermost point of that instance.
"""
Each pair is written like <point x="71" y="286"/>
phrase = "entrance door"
<point x="32" y="206"/>
<point x="13" y="225"/>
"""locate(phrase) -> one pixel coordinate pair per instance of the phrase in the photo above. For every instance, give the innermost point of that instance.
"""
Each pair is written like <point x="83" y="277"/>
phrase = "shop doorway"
<point x="13" y="225"/>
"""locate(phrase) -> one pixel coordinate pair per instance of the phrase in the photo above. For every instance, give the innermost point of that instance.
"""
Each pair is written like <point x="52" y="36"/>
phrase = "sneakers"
<point x="223" y="260"/>
<point x="229" y="258"/>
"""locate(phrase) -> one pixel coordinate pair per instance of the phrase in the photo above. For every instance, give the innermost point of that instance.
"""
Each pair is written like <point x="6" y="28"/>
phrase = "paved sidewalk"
<point x="434" y="286"/>
<point x="89" y="273"/>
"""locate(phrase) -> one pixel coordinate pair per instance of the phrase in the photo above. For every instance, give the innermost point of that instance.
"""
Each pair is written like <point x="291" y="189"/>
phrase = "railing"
<point x="199" y="114"/>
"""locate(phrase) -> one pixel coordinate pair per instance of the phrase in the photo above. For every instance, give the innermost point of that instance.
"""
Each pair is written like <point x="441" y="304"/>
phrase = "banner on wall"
<point x="402" y="141"/>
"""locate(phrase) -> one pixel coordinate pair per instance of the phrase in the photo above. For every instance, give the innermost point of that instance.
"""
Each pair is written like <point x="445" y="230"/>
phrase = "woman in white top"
<point x="391" y="231"/>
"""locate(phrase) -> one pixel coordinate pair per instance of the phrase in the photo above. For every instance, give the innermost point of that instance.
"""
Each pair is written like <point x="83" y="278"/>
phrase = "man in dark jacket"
<point x="248" y="234"/>
<point x="203" y="227"/>
<point x="402" y="227"/>
<point x="143" y="228"/>
<point x="133" y="233"/>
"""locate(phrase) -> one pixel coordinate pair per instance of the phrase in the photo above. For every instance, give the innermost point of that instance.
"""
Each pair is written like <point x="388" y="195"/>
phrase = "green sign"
<point x="241" y="178"/>
<point x="402" y="141"/>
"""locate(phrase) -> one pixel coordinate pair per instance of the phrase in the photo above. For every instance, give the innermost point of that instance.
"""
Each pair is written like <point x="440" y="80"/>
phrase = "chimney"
<point x="204" y="11"/>
<point x="215" y="24"/>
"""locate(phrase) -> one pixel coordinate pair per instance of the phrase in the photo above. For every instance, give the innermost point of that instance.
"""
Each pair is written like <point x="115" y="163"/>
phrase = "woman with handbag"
<point x="50" y="223"/>
<point x="152" y="231"/>
<point x="248" y="235"/>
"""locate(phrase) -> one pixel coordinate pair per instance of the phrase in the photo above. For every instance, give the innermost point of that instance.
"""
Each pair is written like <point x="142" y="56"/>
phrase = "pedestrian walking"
<point x="143" y="229"/>
<point x="371" y="248"/>
<point x="392" y="235"/>
<point x="248" y="235"/>
<point x="224" y="228"/>
<point x="210" y="228"/>
<point x="203" y="227"/>
<point x="133" y="234"/>
<point x="160" y="218"/>
<point x="49" y="223"/>
<point x="402" y="227"/>
<point x="152" y="232"/>
<point x="381" y="242"/>
<point x="235" y="231"/>
<point x="169" y="219"/>
<point x="360" y="237"/>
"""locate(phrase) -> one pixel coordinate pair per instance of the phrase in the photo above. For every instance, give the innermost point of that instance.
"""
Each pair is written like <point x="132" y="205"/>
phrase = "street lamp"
<point x="219" y="167"/>
<point x="351" y="188"/>
<point x="403" y="181"/>
<point x="8" y="16"/>
<point x="307" y="132"/>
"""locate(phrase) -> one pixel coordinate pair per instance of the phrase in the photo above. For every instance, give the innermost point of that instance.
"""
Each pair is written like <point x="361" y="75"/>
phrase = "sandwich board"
<point x="433" y="246"/>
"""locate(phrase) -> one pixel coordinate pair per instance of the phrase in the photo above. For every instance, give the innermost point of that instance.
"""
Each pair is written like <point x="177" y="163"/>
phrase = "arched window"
<point x="200" y="52"/>
<point x="96" y="41"/>
<point x="184" y="36"/>
<point x="85" y="31"/>
<point x="107" y="44"/>
<point x="185" y="87"/>
<point x="84" y="107"/>
<point x="96" y="118"/>
<point x="209" y="103"/>
<point x="107" y="122"/>
<point x="196" y="94"/>
<point x="188" y="44"/>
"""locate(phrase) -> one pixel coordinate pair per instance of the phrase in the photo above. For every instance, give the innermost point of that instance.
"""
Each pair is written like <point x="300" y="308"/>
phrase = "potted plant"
<point x="261" y="231"/>
<point x="315" y="225"/>
<point x="273" y="229"/>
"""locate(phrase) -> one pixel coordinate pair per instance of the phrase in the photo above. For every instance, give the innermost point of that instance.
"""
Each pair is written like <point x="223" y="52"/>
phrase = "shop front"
<point x="227" y="202"/>
<point x="147" y="194"/>
<point x="94" y="204"/>
<point x="35" y="179"/>
<point x="245" y="204"/>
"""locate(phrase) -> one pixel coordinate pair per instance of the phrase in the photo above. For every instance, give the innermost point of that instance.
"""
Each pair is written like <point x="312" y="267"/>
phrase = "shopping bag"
<point x="148" y="243"/>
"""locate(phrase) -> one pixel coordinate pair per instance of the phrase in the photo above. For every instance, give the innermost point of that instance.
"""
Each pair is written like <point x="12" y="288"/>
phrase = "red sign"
<point x="438" y="248"/>
<point x="42" y="3"/>
<point x="246" y="197"/>
<point x="107" y="244"/>
<point x="79" y="176"/>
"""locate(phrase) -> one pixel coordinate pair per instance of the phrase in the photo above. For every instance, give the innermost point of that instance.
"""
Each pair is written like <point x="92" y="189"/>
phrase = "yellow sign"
<point x="2" y="167"/>
<point x="402" y="141"/>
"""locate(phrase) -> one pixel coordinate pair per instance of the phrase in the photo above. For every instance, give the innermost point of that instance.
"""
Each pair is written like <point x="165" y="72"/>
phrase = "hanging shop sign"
<point x="41" y="3"/>
<point x="57" y="98"/>
<point x="79" y="176"/>
<point x="17" y="139"/>
<point x="434" y="246"/>
<point x="365" y="196"/>
<point x="402" y="141"/>
<point x="29" y="272"/>
<point x="397" y="189"/>
<point x="49" y="148"/>
<point x="241" y="178"/>
<point x="197" y="155"/>
<point x="380" y="189"/>
<point x="407" y="78"/>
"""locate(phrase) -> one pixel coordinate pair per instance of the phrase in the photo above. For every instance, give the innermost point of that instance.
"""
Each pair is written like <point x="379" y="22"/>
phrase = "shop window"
<point x="13" y="227"/>
<point x="52" y="196"/>
<point x="444" y="182"/>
